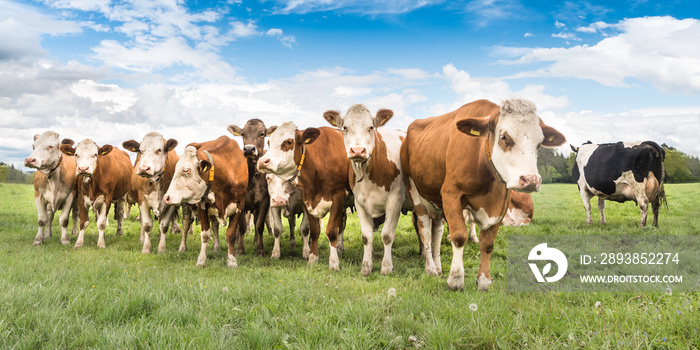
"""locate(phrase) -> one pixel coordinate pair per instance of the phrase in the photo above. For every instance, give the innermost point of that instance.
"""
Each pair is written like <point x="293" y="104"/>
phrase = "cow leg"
<point x="242" y="229"/>
<point x="187" y="219"/>
<point x="644" y="209"/>
<point x="367" y="228"/>
<point x="260" y="215"/>
<point x="84" y="222"/>
<point x="166" y="217"/>
<point x="469" y="221"/>
<point x="276" y="218"/>
<point x="414" y="219"/>
<point x="146" y="226"/>
<point x="102" y="213"/>
<point x="314" y="232"/>
<point x="304" y="229"/>
<point x="488" y="237"/>
<point x="75" y="211"/>
<point x="47" y="230"/>
<point x="389" y="232"/>
<point x="655" y="205"/>
<point x="215" y="235"/>
<point x="292" y="222"/>
<point x="42" y="219"/>
<point x="341" y="229"/>
<point x="425" y="227"/>
<point x="231" y="236"/>
<point x="118" y="209"/>
<point x="438" y="229"/>
<point x="63" y="219"/>
<point x="175" y="227"/>
<point x="335" y="222"/>
<point x="205" y="236"/>
<point x="601" y="209"/>
<point x="586" y="197"/>
<point x="459" y="235"/>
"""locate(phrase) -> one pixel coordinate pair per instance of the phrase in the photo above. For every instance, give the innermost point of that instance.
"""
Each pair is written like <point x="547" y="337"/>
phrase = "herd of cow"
<point x="473" y="166"/>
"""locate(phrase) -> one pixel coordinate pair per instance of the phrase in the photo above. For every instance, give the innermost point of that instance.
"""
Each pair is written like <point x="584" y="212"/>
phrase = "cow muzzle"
<point x="250" y="151"/>
<point x="278" y="202"/>
<point x="528" y="183"/>
<point x="358" y="153"/>
<point x="144" y="170"/>
<point x="84" y="171"/>
<point x="264" y="165"/>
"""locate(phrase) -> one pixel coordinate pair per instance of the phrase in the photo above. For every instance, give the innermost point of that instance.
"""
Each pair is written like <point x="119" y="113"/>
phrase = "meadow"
<point x="56" y="297"/>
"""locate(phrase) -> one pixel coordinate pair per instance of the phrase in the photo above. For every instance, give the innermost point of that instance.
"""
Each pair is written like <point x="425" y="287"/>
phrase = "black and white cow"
<point x="621" y="172"/>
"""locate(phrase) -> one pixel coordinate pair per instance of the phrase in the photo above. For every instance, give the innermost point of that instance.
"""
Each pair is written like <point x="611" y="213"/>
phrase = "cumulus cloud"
<point x="650" y="49"/>
<point x="286" y="40"/>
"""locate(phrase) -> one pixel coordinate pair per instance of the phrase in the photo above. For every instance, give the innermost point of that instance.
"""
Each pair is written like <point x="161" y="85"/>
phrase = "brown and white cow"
<point x="316" y="156"/>
<point x="519" y="213"/>
<point x="103" y="176"/>
<point x="285" y="200"/>
<point x="151" y="176"/>
<point x="212" y="175"/>
<point x="469" y="159"/>
<point x="54" y="185"/>
<point x="376" y="180"/>
<point x="257" y="200"/>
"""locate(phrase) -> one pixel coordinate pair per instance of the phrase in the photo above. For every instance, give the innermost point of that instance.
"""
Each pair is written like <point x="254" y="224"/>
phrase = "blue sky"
<point x="115" y="70"/>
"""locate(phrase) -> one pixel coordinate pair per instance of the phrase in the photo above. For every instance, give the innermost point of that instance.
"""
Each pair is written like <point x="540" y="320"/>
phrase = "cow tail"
<point x="661" y="197"/>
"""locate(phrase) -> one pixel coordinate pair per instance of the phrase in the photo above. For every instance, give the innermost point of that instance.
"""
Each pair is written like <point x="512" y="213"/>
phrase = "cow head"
<point x="253" y="133"/>
<point x="86" y="153"/>
<point x="359" y="129"/>
<point x="286" y="145"/>
<point x="280" y="190"/>
<point x="153" y="154"/>
<point x="188" y="184"/>
<point x="516" y="133"/>
<point x="46" y="154"/>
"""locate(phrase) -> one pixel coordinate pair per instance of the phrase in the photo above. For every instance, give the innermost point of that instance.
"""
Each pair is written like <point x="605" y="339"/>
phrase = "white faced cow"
<point x="376" y="180"/>
<point x="154" y="171"/>
<point x="54" y="185"/>
<point x="103" y="175"/>
<point x="469" y="159"/>
<point x="285" y="200"/>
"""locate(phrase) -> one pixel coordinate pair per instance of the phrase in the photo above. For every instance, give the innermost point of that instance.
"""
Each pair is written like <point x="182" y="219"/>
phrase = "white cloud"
<point x="286" y="40"/>
<point x="650" y="49"/>
<point x="365" y="7"/>
<point x="469" y="88"/>
<point x="559" y="24"/>
<point x="527" y="35"/>
<point x="566" y="36"/>
<point x="595" y="27"/>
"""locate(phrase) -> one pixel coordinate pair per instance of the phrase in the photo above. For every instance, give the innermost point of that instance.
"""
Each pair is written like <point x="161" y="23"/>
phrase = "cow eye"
<point x="345" y="128"/>
<point x="371" y="128"/>
<point x="158" y="151"/>
<point x="262" y="134"/>
<point x="50" y="147"/>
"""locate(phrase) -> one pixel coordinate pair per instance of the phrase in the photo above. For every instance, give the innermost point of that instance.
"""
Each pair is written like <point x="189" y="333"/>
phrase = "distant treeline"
<point x="8" y="173"/>
<point x="554" y="167"/>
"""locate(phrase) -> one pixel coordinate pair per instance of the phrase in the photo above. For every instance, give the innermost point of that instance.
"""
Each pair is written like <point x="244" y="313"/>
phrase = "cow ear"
<point x="552" y="137"/>
<point x="170" y="145"/>
<point x="235" y="130"/>
<point x="36" y="137"/>
<point x="574" y="148"/>
<point x="383" y="116"/>
<point x="67" y="149"/>
<point x="474" y="126"/>
<point x="204" y="165"/>
<point x="131" y="145"/>
<point x="270" y="130"/>
<point x="67" y="142"/>
<point x="104" y="150"/>
<point x="333" y="118"/>
<point x="310" y="135"/>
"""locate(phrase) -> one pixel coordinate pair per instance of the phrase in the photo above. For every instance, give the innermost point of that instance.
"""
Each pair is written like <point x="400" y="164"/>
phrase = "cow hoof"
<point x="182" y="249"/>
<point x="386" y="269"/>
<point x="292" y="245"/>
<point x="231" y="263"/>
<point x="38" y="242"/>
<point x="77" y="245"/>
<point x="275" y="254"/>
<point x="366" y="268"/>
<point x="146" y="251"/>
<point x="313" y="259"/>
<point x="101" y="245"/>
<point x="239" y="251"/>
<point x="119" y="233"/>
<point x="431" y="271"/>
<point x="216" y="249"/>
<point x="305" y="252"/>
<point x="334" y="266"/>
<point x="201" y="263"/>
<point x="65" y="242"/>
<point x="455" y="284"/>
<point x="341" y="248"/>
<point x="483" y="283"/>
<point x="261" y="252"/>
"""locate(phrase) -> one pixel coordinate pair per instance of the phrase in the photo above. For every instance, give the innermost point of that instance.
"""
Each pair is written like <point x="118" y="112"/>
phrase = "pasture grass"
<point x="56" y="297"/>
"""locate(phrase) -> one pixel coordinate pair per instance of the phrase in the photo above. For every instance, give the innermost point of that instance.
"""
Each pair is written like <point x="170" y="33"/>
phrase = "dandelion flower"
<point x="598" y="304"/>
<point x="225" y="289"/>
<point x="669" y="291"/>
<point x="473" y="307"/>
<point x="391" y="292"/>
<point x="412" y="338"/>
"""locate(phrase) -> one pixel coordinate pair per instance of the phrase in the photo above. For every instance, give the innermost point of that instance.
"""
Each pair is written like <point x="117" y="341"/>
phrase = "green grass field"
<point x="55" y="297"/>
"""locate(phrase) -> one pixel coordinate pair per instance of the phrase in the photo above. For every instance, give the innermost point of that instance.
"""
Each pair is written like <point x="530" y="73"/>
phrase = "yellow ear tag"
<point x="550" y="138"/>
<point x="205" y="169"/>
<point x="333" y="122"/>
<point x="103" y="153"/>
<point x="474" y="132"/>
<point x="134" y="149"/>
<point x="307" y="140"/>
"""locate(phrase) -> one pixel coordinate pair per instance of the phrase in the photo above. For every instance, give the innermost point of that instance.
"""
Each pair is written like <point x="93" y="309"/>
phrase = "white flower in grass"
<point x="598" y="304"/>
<point x="473" y="307"/>
<point x="225" y="289"/>
<point x="391" y="292"/>
<point x="669" y="291"/>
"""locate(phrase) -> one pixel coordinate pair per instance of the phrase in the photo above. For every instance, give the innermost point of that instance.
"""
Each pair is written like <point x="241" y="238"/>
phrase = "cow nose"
<point x="264" y="163"/>
<point x="29" y="161"/>
<point x="166" y="199"/>
<point x="358" y="152"/>
<point x="278" y="202"/>
<point x="83" y="169"/>
<point x="529" y="183"/>
<point x="249" y="149"/>
<point x="144" y="169"/>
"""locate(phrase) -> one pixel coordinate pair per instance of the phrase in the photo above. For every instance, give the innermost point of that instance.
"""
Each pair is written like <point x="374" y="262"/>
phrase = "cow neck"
<point x="301" y="163"/>
<point x="488" y="155"/>
<point x="51" y="172"/>
<point x="362" y="169"/>
<point x="209" y="182"/>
